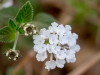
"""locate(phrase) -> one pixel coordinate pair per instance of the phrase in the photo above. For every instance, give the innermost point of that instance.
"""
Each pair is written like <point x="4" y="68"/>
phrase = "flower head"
<point x="12" y="54"/>
<point x="58" y="41"/>
<point x="29" y="29"/>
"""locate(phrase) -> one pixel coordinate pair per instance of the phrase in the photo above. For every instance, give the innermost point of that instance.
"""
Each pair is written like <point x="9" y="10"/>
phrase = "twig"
<point x="86" y="65"/>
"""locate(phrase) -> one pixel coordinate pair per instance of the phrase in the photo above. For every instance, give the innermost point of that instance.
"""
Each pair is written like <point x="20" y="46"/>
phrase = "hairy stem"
<point x="15" y="43"/>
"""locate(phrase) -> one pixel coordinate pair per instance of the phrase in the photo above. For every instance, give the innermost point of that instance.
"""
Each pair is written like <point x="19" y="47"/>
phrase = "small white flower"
<point x="68" y="27"/>
<point x="71" y="60"/>
<point x="53" y="28"/>
<point x="60" y="63"/>
<point x="41" y="56"/>
<point x="54" y="24"/>
<point x="61" y="29"/>
<point x="50" y="64"/>
<point x="44" y="33"/>
<point x="63" y="39"/>
<point x="53" y="49"/>
<point x="67" y="33"/>
<point x="38" y="39"/>
<point x="61" y="54"/>
<point x="5" y="3"/>
<point x="70" y="56"/>
<point x="75" y="35"/>
<point x="75" y="48"/>
<point x="72" y="41"/>
<point x="40" y="48"/>
<point x="53" y="39"/>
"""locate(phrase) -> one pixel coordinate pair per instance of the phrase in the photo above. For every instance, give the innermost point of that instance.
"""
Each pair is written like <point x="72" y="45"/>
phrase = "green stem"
<point x="15" y="43"/>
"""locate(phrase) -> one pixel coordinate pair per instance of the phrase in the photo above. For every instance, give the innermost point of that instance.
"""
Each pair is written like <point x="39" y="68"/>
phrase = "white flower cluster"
<point x="5" y="3"/>
<point x="59" y="42"/>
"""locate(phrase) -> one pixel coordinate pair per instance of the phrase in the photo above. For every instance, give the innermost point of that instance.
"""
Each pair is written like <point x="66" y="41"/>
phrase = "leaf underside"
<point x="7" y="35"/>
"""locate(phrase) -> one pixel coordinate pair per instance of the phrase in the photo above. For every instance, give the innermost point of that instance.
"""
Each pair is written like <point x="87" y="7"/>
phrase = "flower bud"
<point x="12" y="54"/>
<point x="29" y="29"/>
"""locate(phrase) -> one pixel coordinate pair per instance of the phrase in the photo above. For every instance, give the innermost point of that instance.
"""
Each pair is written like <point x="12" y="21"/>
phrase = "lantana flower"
<point x="59" y="42"/>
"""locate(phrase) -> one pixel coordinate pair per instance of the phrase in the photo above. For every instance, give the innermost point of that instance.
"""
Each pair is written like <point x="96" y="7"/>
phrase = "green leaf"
<point x="12" y="25"/>
<point x="25" y="14"/>
<point x="7" y="35"/>
<point x="43" y="20"/>
<point x="35" y="3"/>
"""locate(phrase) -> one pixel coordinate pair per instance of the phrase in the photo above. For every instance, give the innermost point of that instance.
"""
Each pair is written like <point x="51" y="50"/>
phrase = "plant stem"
<point x="51" y="56"/>
<point x="15" y="43"/>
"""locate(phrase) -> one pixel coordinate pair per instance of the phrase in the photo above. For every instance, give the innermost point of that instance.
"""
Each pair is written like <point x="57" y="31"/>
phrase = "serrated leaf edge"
<point x="23" y="6"/>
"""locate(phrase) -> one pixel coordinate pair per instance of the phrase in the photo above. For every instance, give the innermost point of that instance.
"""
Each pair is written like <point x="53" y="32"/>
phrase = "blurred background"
<point x="82" y="15"/>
